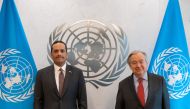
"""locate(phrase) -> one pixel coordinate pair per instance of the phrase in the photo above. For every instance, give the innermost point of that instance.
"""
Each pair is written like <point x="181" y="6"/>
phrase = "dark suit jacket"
<point x="46" y="95"/>
<point x="158" y="97"/>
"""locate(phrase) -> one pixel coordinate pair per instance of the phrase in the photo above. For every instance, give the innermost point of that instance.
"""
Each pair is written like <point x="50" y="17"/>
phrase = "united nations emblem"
<point x="175" y="68"/>
<point x="16" y="76"/>
<point x="98" y="49"/>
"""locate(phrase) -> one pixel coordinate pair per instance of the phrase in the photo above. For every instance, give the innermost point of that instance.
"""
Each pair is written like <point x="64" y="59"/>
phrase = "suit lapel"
<point x="52" y="76"/>
<point x="134" y="92"/>
<point x="150" y="85"/>
<point x="67" y="78"/>
<point x="132" y="88"/>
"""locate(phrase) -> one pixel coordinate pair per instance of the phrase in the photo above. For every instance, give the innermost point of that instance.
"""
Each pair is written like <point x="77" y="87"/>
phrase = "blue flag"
<point x="170" y="58"/>
<point x="17" y="67"/>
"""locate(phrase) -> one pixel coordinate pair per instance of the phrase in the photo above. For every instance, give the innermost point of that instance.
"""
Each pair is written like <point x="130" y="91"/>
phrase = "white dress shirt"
<point x="57" y="71"/>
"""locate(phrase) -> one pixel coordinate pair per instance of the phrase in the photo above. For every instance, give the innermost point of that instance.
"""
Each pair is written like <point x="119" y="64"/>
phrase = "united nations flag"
<point x="17" y="67"/>
<point x="170" y="58"/>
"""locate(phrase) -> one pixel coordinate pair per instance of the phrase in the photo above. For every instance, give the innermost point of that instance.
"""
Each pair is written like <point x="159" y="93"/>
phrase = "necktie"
<point x="140" y="91"/>
<point x="61" y="81"/>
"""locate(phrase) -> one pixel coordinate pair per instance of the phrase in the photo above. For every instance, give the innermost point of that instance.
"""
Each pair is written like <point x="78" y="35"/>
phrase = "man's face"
<point x="138" y="64"/>
<point x="59" y="54"/>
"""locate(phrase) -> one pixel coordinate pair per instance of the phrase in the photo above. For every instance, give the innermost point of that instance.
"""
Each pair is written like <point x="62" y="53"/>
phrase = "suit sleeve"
<point x="119" y="99"/>
<point x="38" y="93"/>
<point x="165" y="96"/>
<point x="82" y="96"/>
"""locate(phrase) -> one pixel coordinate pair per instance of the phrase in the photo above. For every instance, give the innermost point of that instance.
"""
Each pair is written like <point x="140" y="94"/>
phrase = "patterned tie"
<point x="61" y="81"/>
<point x="140" y="91"/>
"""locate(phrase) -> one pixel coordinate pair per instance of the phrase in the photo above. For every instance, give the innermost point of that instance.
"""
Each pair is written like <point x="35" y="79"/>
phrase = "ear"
<point x="50" y="55"/>
<point x="67" y="56"/>
<point x="130" y="66"/>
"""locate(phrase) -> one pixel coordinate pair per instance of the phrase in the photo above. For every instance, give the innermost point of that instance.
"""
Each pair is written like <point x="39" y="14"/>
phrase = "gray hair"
<point x="135" y="52"/>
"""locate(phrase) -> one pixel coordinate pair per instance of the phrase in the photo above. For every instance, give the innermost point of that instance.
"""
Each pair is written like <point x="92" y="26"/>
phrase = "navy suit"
<point x="46" y="95"/>
<point x="158" y="97"/>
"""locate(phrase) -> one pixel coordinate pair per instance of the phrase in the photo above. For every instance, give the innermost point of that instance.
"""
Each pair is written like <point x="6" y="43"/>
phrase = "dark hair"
<point x="58" y="42"/>
<point x="135" y="52"/>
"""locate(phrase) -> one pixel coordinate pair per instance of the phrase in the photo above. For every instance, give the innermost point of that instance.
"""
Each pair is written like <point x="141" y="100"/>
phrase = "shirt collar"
<point x="145" y="77"/>
<point x="57" y="67"/>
